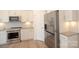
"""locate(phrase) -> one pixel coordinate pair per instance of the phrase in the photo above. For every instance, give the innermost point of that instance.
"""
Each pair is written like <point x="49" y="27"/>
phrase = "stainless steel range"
<point x="13" y="34"/>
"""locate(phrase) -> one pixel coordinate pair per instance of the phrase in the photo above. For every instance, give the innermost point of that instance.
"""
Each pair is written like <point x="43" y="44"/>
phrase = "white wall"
<point x="38" y="20"/>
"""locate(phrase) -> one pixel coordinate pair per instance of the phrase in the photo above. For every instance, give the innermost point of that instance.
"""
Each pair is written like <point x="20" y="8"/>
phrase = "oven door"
<point x="13" y="35"/>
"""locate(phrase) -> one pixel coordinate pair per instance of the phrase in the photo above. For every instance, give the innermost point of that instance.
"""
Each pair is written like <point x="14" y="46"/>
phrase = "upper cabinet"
<point x="30" y="15"/>
<point x="11" y="12"/>
<point x="75" y="15"/>
<point x="14" y="12"/>
<point x="70" y="15"/>
<point x="25" y="15"/>
<point x="4" y="16"/>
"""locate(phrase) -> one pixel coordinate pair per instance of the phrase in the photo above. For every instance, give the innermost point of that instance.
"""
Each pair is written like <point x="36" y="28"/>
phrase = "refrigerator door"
<point x="52" y="29"/>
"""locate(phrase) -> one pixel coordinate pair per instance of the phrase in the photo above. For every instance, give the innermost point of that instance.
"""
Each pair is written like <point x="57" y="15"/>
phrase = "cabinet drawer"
<point x="3" y="37"/>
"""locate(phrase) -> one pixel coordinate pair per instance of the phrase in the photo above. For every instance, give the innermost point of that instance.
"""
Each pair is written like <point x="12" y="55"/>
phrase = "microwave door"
<point x="13" y="18"/>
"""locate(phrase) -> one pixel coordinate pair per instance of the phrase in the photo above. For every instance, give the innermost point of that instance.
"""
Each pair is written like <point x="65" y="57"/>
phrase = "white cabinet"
<point x="63" y="41"/>
<point x="69" y="41"/>
<point x="4" y="16"/>
<point x="27" y="34"/>
<point x="12" y="12"/>
<point x="23" y="16"/>
<point x="70" y="15"/>
<point x="75" y="15"/>
<point x="26" y="15"/>
<point x="73" y="42"/>
<point x="3" y="37"/>
<point x="4" y="19"/>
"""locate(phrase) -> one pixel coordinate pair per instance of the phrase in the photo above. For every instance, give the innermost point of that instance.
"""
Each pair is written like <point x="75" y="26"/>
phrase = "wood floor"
<point x="26" y="44"/>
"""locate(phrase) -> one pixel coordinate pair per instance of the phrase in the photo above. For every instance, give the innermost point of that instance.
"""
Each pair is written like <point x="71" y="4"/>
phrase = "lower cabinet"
<point x="3" y="37"/>
<point x="27" y="34"/>
<point x="69" y="41"/>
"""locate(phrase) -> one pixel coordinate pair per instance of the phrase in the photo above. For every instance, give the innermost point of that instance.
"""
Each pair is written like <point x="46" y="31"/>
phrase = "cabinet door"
<point x="23" y="16"/>
<point x="68" y="15"/>
<point x="73" y="41"/>
<point x="27" y="34"/>
<point x="30" y="15"/>
<point x="4" y="16"/>
<point x="12" y="12"/>
<point x="26" y="15"/>
<point x="63" y="41"/>
<point x="3" y="37"/>
<point x="75" y="15"/>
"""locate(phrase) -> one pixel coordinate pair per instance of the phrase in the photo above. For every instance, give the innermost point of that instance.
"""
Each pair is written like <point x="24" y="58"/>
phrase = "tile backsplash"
<point x="13" y="24"/>
<point x="17" y="24"/>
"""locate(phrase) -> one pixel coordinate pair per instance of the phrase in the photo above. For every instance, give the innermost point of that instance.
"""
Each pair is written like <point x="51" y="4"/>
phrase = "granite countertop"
<point x="18" y="28"/>
<point x="69" y="33"/>
<point x="8" y="29"/>
<point x="27" y="28"/>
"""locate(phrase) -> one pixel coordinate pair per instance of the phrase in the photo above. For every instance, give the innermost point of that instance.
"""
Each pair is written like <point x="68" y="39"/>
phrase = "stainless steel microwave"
<point x="13" y="18"/>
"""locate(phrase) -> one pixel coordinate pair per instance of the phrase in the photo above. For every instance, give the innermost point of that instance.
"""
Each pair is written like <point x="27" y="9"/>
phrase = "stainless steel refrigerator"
<point x="51" y="25"/>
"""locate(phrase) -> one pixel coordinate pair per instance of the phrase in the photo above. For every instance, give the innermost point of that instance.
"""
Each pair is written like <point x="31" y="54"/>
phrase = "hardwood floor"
<point x="50" y="41"/>
<point x="26" y="44"/>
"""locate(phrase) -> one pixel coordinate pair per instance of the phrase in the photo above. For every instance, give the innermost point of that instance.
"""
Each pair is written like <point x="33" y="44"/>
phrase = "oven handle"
<point x="13" y="31"/>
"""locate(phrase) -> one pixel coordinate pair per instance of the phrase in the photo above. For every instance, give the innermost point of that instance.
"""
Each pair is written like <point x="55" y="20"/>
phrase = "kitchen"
<point x="23" y="25"/>
<point x="14" y="22"/>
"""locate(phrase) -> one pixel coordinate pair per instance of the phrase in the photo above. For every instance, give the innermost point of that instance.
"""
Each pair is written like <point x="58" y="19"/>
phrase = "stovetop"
<point x="14" y="28"/>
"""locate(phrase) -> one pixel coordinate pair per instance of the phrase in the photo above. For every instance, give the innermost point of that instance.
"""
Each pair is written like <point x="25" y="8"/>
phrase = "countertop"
<point x="15" y="28"/>
<point x="69" y="33"/>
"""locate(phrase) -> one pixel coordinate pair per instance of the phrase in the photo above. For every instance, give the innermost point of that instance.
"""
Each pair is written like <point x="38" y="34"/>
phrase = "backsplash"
<point x="71" y="26"/>
<point x="13" y="24"/>
<point x="18" y="24"/>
